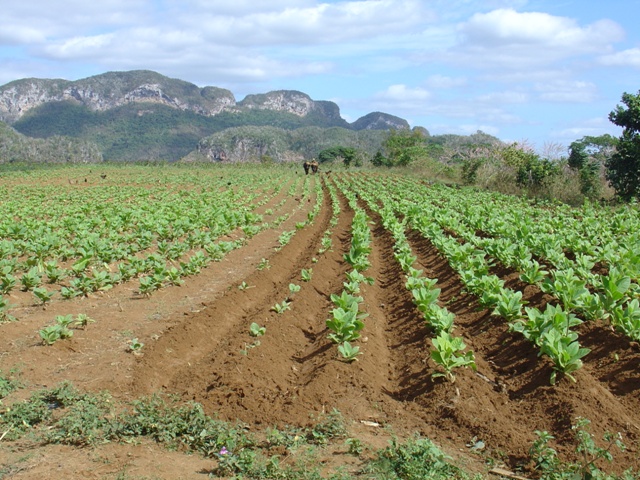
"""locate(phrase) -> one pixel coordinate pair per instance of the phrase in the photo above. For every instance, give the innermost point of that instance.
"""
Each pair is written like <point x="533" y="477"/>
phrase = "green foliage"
<point x="306" y="274"/>
<point x="403" y="147"/>
<point x="348" y="155"/>
<point x="531" y="170"/>
<point x="564" y="351"/>
<point x="416" y="459"/>
<point x="587" y="156"/>
<point x="447" y="355"/>
<point x="588" y="453"/>
<point x="256" y="330"/>
<point x="281" y="307"/>
<point x="135" y="346"/>
<point x="349" y="352"/>
<point x="623" y="168"/>
<point x="8" y="384"/>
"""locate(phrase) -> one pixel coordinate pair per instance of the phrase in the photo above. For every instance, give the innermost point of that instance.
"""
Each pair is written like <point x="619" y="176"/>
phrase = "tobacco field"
<point x="257" y="322"/>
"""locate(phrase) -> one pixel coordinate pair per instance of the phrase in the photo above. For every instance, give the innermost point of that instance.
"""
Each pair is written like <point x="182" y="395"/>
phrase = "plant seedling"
<point x="43" y="295"/>
<point x="256" y="330"/>
<point x="82" y="320"/>
<point x="264" y="264"/>
<point x="446" y="355"/>
<point x="349" y="352"/>
<point x="306" y="274"/>
<point x="281" y="307"/>
<point x="245" y="286"/>
<point x="135" y="346"/>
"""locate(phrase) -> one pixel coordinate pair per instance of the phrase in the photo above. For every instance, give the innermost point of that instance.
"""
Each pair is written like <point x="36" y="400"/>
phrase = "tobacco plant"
<point x="448" y="355"/>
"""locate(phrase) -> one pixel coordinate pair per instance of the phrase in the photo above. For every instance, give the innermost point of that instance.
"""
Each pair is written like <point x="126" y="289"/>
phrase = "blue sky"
<point x="542" y="72"/>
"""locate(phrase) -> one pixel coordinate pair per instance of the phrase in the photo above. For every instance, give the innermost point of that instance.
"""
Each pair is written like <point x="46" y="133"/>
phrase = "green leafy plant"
<point x="306" y="274"/>
<point x="256" y="330"/>
<point x="245" y="286"/>
<point x="293" y="288"/>
<point x="82" y="320"/>
<point x="447" y="355"/>
<point x="264" y="264"/>
<point x="4" y="311"/>
<point x="509" y="304"/>
<point x="627" y="319"/>
<point x="564" y="351"/>
<point x="50" y="334"/>
<point x="31" y="279"/>
<point x="43" y="295"/>
<point x="349" y="352"/>
<point x="345" y="324"/>
<point x="281" y="307"/>
<point x="135" y="346"/>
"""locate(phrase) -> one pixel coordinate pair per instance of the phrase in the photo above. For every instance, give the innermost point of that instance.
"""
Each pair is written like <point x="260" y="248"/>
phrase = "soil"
<point x="197" y="345"/>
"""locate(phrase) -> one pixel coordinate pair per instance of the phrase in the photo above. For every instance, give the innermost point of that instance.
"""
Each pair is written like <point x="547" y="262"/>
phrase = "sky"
<point x="540" y="72"/>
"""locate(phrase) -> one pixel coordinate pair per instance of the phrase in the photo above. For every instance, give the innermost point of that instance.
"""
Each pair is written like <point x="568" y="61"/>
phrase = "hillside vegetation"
<point x="18" y="148"/>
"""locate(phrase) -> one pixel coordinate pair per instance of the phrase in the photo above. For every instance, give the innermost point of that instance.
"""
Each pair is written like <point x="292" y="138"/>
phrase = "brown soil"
<point x="197" y="345"/>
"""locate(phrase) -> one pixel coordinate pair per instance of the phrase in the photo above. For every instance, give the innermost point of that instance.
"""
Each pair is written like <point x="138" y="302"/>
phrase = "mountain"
<point x="143" y="115"/>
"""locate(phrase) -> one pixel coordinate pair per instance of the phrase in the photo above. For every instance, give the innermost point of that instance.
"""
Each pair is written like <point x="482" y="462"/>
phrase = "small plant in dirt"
<point x="329" y="426"/>
<point x="69" y="292"/>
<point x="7" y="283"/>
<point x="565" y="352"/>
<point x="285" y="238"/>
<point x="8" y="384"/>
<point x="281" y="307"/>
<point x="349" y="352"/>
<point x="50" y="334"/>
<point x="416" y="458"/>
<point x="447" y="355"/>
<point x="245" y="286"/>
<point x="150" y="284"/>
<point x="82" y="320"/>
<point x="43" y="295"/>
<point x="293" y="288"/>
<point x="4" y="308"/>
<point x="31" y="279"/>
<point x="60" y="330"/>
<point x="249" y="346"/>
<point x="135" y="346"/>
<point x="588" y="453"/>
<point x="256" y="330"/>
<point x="264" y="264"/>
<point x="306" y="274"/>
<point x="354" y="446"/>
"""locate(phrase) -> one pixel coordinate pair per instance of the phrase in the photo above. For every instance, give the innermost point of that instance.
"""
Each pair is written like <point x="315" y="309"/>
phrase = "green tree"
<point x="404" y="147"/>
<point x="347" y="154"/>
<point x="623" y="168"/>
<point x="379" y="160"/>
<point x="531" y="170"/>
<point x="587" y="156"/>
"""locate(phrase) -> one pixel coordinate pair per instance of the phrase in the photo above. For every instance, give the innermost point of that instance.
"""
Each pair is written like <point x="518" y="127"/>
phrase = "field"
<point x="324" y="323"/>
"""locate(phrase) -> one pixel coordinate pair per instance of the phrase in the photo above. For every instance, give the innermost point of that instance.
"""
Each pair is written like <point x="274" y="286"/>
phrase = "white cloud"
<point x="567" y="91"/>
<point x="515" y="40"/>
<point x="444" y="82"/>
<point x="507" y="96"/>
<point x="625" y="58"/>
<point x="402" y="93"/>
